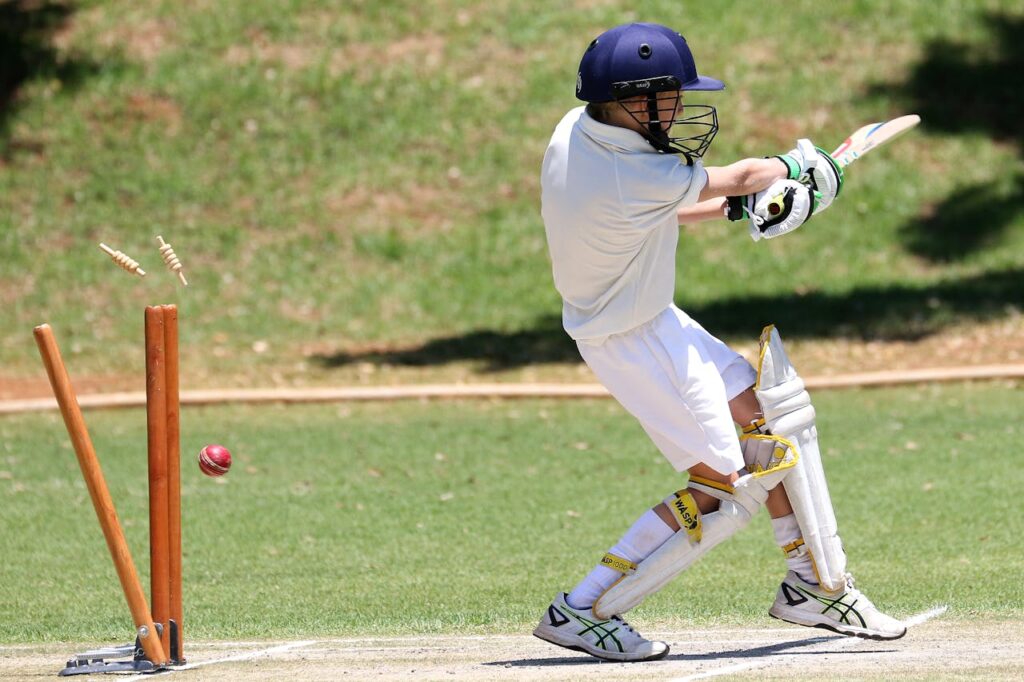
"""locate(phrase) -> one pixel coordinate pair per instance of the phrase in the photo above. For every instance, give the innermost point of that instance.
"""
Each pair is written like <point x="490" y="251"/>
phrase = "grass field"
<point x="468" y="516"/>
<point x="341" y="180"/>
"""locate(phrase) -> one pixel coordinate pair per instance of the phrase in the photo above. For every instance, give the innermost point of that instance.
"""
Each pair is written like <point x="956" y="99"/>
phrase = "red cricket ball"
<point x="214" y="460"/>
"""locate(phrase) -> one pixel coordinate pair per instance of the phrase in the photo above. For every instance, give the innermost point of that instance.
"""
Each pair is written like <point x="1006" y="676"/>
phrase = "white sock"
<point x="646" y="535"/>
<point x="786" y="531"/>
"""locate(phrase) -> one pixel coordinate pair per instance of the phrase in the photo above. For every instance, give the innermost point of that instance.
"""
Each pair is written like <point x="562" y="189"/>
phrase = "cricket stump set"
<point x="159" y="632"/>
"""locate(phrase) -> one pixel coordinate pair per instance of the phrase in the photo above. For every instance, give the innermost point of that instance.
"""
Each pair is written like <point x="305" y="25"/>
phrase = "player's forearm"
<point x="704" y="210"/>
<point x="743" y="177"/>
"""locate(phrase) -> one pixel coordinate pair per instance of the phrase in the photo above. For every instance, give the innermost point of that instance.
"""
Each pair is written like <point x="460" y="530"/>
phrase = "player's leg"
<point x="817" y="590"/>
<point x="664" y="375"/>
<point x="661" y="378"/>
<point x="727" y="504"/>
<point x="788" y="453"/>
<point x="570" y="621"/>
<point x="746" y="411"/>
<point x="573" y="621"/>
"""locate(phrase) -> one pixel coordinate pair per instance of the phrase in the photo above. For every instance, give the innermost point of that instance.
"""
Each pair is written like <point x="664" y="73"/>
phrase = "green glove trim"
<point x="793" y="168"/>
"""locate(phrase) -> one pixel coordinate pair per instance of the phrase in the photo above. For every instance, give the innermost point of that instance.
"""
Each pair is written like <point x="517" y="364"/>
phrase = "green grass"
<point x="333" y="177"/>
<point x="469" y="516"/>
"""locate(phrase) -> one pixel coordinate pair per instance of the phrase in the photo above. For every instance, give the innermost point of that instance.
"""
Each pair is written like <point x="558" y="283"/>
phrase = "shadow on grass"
<point x="27" y="52"/>
<point x="967" y="221"/>
<point x="899" y="312"/>
<point x="960" y="89"/>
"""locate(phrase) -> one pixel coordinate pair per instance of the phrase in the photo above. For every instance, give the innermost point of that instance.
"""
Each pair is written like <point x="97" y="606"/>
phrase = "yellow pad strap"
<point x="793" y="548"/>
<point x="717" y="485"/>
<point x="756" y="426"/>
<point x="684" y="508"/>
<point x="617" y="563"/>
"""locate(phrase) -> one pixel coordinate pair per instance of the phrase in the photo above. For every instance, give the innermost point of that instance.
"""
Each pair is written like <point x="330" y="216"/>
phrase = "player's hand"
<point x="814" y="167"/>
<point x="783" y="207"/>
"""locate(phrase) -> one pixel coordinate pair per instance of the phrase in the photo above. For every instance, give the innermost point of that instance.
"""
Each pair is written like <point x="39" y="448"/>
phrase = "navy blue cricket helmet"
<point x="637" y="61"/>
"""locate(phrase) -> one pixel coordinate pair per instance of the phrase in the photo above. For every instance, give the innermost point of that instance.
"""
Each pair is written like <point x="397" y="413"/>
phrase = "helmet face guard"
<point x="654" y="103"/>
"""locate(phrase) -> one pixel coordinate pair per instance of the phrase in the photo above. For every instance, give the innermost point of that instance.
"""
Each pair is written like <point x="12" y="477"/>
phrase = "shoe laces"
<point x="624" y="624"/>
<point x="862" y="599"/>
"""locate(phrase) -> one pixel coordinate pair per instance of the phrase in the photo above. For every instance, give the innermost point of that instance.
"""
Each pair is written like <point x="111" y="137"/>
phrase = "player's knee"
<point x="665" y="514"/>
<point x="709" y="487"/>
<point x="667" y="510"/>
<point x="745" y="408"/>
<point x="706" y="503"/>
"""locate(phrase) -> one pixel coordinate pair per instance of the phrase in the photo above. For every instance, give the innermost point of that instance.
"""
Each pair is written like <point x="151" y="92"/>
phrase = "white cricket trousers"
<point x="677" y="380"/>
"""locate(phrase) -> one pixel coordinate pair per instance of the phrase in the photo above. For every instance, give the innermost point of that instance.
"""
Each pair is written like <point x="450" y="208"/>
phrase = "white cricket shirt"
<point x="609" y="202"/>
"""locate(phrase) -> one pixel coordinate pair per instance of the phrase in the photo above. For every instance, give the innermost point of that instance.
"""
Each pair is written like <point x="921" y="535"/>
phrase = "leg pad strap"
<point x="617" y="563"/>
<point x="687" y="514"/>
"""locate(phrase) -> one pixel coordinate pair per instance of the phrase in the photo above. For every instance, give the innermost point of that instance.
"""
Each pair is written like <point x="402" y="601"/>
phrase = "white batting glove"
<point x="784" y="206"/>
<point x="815" y="168"/>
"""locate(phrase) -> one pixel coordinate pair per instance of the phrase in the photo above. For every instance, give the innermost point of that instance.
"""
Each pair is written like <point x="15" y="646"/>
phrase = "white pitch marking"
<point x="824" y="646"/>
<point x="280" y="649"/>
<point x="255" y="654"/>
<point x="926" y="616"/>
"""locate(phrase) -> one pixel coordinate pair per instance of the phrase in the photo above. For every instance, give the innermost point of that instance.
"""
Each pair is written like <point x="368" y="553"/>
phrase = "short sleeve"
<point x="653" y="186"/>
<point x="698" y="180"/>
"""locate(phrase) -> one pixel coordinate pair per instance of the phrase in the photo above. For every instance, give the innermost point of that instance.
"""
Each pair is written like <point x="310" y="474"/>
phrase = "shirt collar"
<point x="621" y="139"/>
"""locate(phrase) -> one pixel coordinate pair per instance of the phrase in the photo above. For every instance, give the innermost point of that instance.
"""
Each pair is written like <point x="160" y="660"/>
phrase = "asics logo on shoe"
<point x="599" y="630"/>
<point x="842" y="609"/>
<point x="556" y="617"/>
<point x="793" y="598"/>
<point x="602" y="633"/>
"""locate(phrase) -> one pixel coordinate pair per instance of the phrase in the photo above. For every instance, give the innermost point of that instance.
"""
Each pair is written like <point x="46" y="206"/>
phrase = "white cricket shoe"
<point x="850" y="613"/>
<point x="580" y="630"/>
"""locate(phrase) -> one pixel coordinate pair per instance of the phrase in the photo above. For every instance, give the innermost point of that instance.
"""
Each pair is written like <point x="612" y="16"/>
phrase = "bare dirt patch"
<point x="939" y="649"/>
<point x="425" y="52"/>
<point x="139" y="36"/>
<point x="143" y="106"/>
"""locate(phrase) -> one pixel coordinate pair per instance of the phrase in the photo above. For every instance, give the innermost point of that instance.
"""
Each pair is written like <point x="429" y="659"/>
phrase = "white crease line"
<point x="926" y="616"/>
<point x="824" y="646"/>
<point x="255" y="654"/>
<point x="242" y="657"/>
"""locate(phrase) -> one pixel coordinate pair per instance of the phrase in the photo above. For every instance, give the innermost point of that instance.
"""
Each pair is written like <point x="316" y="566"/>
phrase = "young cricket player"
<point x="619" y="176"/>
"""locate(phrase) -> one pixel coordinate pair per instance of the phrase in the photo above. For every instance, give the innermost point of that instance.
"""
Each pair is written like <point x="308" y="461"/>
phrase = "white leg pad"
<point x="788" y="414"/>
<point x="681" y="550"/>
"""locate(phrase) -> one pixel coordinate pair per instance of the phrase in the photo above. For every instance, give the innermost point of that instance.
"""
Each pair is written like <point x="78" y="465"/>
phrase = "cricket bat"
<point x="866" y="138"/>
